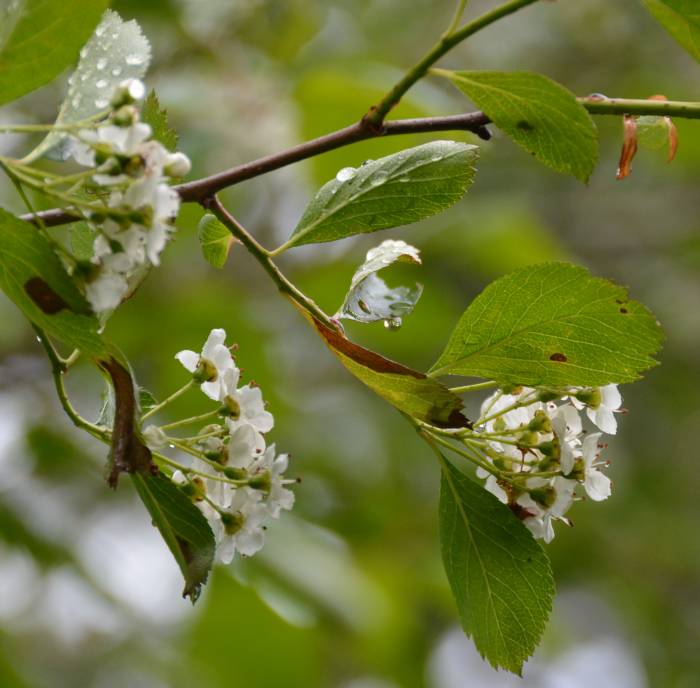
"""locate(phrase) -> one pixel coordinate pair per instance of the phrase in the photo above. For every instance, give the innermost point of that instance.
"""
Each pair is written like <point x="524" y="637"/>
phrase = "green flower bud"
<point x="551" y="448"/>
<point x="545" y="496"/>
<point x="232" y="522"/>
<point x="590" y="397"/>
<point x="546" y="395"/>
<point x="231" y="408"/>
<point x="233" y="473"/>
<point x="205" y="372"/>
<point x="512" y="389"/>
<point x="540" y="422"/>
<point x="261" y="481"/>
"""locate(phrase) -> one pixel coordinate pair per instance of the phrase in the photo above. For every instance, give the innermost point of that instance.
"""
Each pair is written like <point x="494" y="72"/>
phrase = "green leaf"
<point x="681" y="18"/>
<point x="552" y="324"/>
<point x="215" y="240"/>
<point x="32" y="275"/>
<point x="183" y="527"/>
<point x="82" y="240"/>
<point x="118" y="50"/>
<point x="389" y="192"/>
<point x="39" y="39"/>
<point x="369" y="298"/>
<point x="157" y="117"/>
<point x="500" y="577"/>
<point x="407" y="390"/>
<point x="538" y="114"/>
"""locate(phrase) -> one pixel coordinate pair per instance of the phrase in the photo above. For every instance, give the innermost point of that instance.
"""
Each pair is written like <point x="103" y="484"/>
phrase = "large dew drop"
<point x="135" y="59"/>
<point x="393" y="323"/>
<point x="346" y="174"/>
<point x="101" y="63"/>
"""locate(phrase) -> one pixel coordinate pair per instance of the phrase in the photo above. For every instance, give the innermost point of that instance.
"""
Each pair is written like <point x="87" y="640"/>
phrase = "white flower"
<point x="602" y="411"/>
<point x="244" y="446"/>
<point x="177" y="165"/>
<point x="492" y="486"/>
<point x="217" y="361"/>
<point x="567" y="426"/>
<point x="278" y="496"/>
<point x="251" y="409"/>
<point x="244" y="531"/>
<point x="123" y="141"/>
<point x="595" y="482"/>
<point x="560" y="496"/>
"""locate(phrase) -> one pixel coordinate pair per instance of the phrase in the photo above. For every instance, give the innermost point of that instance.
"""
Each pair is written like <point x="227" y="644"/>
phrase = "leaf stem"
<point x="263" y="256"/>
<point x="190" y="421"/>
<point x="474" y="388"/>
<point x="58" y="370"/>
<point x="165" y="402"/>
<point x="456" y="18"/>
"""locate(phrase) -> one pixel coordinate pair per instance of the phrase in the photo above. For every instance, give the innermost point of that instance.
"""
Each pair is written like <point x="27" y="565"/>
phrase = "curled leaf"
<point x="369" y="298"/>
<point x="629" y="146"/>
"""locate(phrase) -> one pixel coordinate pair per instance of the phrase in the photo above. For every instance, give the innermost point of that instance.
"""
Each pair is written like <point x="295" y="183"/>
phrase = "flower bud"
<point x="540" y="422"/>
<point x="125" y="116"/>
<point x="232" y="522"/>
<point x="177" y="165"/>
<point x="512" y="389"/>
<point x="551" y="449"/>
<point x="155" y="437"/>
<point x="233" y="473"/>
<point x="546" y="395"/>
<point x="545" y="496"/>
<point x="205" y="372"/>
<point x="261" y="481"/>
<point x="231" y="408"/>
<point x="590" y="397"/>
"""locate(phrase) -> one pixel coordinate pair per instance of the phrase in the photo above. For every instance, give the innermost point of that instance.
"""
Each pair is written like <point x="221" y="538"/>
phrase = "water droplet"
<point x="134" y="59"/>
<point x="436" y="157"/>
<point x="101" y="83"/>
<point x="346" y="174"/>
<point x="102" y="102"/>
<point x="116" y="71"/>
<point x="84" y="77"/>
<point x="393" y="323"/>
<point x="379" y="178"/>
<point x="83" y="53"/>
<point x="99" y="31"/>
<point x="115" y="35"/>
<point x="101" y="63"/>
<point x="76" y="100"/>
<point x="403" y="180"/>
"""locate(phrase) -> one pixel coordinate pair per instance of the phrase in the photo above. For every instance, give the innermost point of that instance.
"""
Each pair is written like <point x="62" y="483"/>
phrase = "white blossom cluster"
<point x="141" y="208"/>
<point x="539" y="433"/>
<point x="246" y="486"/>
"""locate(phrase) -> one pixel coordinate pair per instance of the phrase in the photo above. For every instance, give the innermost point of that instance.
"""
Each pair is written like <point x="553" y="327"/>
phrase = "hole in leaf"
<point x="623" y="310"/>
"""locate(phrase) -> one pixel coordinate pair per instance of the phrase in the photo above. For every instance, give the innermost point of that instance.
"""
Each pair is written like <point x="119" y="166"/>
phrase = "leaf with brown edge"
<point x="408" y="390"/>
<point x="128" y="453"/>
<point x="629" y="146"/>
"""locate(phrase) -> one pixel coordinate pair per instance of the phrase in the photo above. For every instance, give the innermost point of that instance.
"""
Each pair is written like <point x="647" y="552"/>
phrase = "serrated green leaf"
<point x="389" y="192"/>
<point x="552" y="324"/>
<point x="215" y="240"/>
<point x="500" y="577"/>
<point x="32" y="275"/>
<point x="146" y="400"/>
<point x="157" y="117"/>
<point x="369" y="298"/>
<point x="41" y="38"/>
<point x="118" y="50"/>
<point x="538" y="114"/>
<point x="408" y="390"/>
<point x="182" y="526"/>
<point x="681" y="18"/>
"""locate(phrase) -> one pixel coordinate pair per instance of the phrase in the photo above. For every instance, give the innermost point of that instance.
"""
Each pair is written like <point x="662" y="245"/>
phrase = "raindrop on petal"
<point x="134" y="59"/>
<point x="101" y="63"/>
<point x="102" y="102"/>
<point x="101" y="83"/>
<point x="116" y="71"/>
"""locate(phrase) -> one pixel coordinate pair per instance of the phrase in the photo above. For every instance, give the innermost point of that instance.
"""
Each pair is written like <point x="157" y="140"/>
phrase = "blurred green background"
<point x="349" y="590"/>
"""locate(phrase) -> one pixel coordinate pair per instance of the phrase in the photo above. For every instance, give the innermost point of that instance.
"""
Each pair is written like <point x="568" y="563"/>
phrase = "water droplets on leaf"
<point x="101" y="64"/>
<point x="379" y="178"/>
<point x="393" y="323"/>
<point x="101" y="103"/>
<point x="101" y="83"/>
<point x="116" y="71"/>
<point x="135" y="59"/>
<point x="346" y="174"/>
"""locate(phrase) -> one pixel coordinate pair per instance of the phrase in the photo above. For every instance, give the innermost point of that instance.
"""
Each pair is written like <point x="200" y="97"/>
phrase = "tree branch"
<point x="200" y="189"/>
